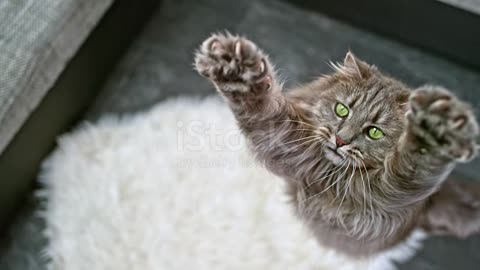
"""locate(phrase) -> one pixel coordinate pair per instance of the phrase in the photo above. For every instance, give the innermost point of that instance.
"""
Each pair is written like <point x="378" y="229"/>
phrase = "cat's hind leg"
<point x="454" y="209"/>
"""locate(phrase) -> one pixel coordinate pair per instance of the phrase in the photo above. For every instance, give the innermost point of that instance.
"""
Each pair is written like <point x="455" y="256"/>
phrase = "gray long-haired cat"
<point x="365" y="158"/>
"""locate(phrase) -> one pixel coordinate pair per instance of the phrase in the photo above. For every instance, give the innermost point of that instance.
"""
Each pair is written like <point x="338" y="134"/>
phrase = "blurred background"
<point x="69" y="61"/>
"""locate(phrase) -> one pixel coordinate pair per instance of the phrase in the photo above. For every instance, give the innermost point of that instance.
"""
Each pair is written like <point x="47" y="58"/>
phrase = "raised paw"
<point x="234" y="64"/>
<point x="442" y="124"/>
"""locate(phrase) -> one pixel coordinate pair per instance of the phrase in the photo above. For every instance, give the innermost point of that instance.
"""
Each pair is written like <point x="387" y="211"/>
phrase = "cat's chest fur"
<point x="335" y="194"/>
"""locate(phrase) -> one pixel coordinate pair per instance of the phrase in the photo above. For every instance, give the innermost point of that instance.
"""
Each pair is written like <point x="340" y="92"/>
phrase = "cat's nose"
<point x="340" y="142"/>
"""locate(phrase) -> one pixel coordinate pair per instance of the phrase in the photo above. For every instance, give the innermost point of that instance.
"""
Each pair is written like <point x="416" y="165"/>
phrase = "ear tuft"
<point x="356" y="67"/>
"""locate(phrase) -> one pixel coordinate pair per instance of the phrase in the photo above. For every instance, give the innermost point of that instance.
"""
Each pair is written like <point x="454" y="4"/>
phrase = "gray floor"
<point x="159" y="65"/>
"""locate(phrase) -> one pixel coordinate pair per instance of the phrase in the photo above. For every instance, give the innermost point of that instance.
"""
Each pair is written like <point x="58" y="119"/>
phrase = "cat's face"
<point x="360" y="117"/>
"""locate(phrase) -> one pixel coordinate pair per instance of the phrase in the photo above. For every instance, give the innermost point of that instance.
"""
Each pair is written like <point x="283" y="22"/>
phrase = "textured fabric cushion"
<point x="37" y="38"/>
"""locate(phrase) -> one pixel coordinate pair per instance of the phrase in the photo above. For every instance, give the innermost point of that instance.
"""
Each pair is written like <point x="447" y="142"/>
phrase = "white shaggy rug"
<point x="174" y="188"/>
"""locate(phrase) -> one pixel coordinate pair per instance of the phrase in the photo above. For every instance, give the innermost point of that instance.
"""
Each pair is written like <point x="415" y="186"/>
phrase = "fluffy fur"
<point x="174" y="188"/>
<point x="357" y="194"/>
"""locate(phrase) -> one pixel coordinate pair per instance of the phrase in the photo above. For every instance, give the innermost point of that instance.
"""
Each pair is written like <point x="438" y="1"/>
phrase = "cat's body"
<point x="364" y="156"/>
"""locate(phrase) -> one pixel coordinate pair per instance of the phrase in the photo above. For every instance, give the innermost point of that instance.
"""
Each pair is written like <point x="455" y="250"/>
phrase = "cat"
<point x="366" y="159"/>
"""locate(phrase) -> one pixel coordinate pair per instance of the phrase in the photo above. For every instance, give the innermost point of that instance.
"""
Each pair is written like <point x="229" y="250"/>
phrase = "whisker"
<point x="337" y="181"/>
<point x="364" y="189"/>
<point x="318" y="180"/>
<point x="300" y="139"/>
<point x="298" y="122"/>
<point x="341" y="176"/>
<point x="342" y="165"/>
<point x="302" y="129"/>
<point x="315" y="143"/>
<point x="303" y="143"/>
<point x="346" y="189"/>
<point x="369" y="188"/>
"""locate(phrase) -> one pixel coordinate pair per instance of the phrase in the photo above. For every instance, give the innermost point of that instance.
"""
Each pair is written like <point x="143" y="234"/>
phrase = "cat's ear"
<point x="356" y="67"/>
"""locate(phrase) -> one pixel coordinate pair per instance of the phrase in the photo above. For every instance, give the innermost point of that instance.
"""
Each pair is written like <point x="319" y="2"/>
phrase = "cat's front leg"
<point x="440" y="131"/>
<point x="240" y="71"/>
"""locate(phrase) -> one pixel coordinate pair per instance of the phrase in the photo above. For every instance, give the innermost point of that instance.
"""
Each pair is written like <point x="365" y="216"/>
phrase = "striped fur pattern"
<point x="363" y="196"/>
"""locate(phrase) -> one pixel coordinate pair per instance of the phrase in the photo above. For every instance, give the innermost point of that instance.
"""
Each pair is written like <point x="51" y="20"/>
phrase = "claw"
<point x="440" y="105"/>
<point x="268" y="79"/>
<point x="233" y="62"/>
<point x="459" y="122"/>
<point x="238" y="49"/>
<point x="466" y="156"/>
<point x="214" y="45"/>
<point x="262" y="66"/>
<point x="410" y="116"/>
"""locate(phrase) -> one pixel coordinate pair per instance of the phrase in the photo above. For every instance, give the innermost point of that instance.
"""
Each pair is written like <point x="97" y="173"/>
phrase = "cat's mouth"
<point x="334" y="155"/>
<point x="335" y="151"/>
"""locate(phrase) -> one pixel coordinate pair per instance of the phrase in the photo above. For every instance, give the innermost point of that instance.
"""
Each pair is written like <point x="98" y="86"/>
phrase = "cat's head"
<point x="359" y="113"/>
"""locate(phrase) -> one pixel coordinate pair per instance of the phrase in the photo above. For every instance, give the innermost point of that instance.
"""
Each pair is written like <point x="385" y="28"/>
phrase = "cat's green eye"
<point x="375" y="133"/>
<point x="341" y="110"/>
